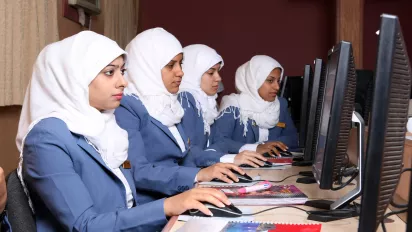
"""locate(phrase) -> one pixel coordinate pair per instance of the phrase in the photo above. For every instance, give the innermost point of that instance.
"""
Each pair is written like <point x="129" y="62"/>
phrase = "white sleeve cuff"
<point x="196" y="178"/>
<point x="227" y="158"/>
<point x="249" y="147"/>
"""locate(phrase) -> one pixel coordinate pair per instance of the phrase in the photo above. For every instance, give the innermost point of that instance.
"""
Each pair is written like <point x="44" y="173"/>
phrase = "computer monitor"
<point x="315" y="107"/>
<point x="363" y="96"/>
<point x="387" y="127"/>
<point x="292" y="92"/>
<point x="336" y="115"/>
<point x="304" y="108"/>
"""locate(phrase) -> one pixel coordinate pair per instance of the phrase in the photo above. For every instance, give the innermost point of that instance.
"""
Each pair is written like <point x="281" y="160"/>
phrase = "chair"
<point x="19" y="213"/>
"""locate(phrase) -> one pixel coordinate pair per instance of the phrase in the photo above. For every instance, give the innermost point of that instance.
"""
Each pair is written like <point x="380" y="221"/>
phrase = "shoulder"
<point x="131" y="110"/>
<point x="283" y="102"/>
<point x="229" y="112"/>
<point x="133" y="104"/>
<point x="187" y="99"/>
<point x="49" y="130"/>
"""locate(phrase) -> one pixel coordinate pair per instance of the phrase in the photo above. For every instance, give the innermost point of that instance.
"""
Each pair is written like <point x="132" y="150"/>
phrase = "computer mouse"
<point x="266" y="165"/>
<point x="284" y="153"/>
<point x="227" y="211"/>
<point x="242" y="178"/>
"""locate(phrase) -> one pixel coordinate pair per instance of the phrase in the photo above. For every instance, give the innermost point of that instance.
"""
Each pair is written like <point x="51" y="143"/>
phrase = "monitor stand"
<point x="342" y="208"/>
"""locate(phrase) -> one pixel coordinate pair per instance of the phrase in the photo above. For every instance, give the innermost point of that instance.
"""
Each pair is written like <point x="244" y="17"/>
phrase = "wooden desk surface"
<point x="289" y="215"/>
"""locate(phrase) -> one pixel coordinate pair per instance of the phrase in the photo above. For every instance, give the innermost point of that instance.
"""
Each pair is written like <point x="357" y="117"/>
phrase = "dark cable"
<point x="355" y="174"/>
<point x="390" y="214"/>
<point x="276" y="207"/>
<point x="279" y="181"/>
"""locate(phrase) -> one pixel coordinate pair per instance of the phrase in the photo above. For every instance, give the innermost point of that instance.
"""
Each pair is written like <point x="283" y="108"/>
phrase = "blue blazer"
<point x="231" y="131"/>
<point x="5" y="225"/>
<point x="193" y="126"/>
<point x="72" y="189"/>
<point x="161" y="146"/>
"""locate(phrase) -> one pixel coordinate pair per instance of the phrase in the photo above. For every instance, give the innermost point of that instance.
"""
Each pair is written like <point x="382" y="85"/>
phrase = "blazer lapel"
<point x="255" y="129"/>
<point x="129" y="177"/>
<point x="164" y="129"/>
<point x="81" y="141"/>
<point x="182" y="133"/>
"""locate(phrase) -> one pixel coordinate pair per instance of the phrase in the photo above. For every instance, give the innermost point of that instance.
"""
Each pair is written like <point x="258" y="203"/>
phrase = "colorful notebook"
<point x="270" y="227"/>
<point x="216" y="225"/>
<point x="281" y="160"/>
<point x="276" y="195"/>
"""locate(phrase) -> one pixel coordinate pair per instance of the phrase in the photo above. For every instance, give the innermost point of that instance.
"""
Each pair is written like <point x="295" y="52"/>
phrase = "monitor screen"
<point x="326" y="108"/>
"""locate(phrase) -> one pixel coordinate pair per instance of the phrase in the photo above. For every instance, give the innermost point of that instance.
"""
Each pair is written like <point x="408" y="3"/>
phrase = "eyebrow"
<point x="116" y="66"/>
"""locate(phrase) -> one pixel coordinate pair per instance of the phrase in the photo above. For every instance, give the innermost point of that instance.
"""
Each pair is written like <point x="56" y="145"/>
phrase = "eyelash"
<point x="171" y="65"/>
<point x="111" y="72"/>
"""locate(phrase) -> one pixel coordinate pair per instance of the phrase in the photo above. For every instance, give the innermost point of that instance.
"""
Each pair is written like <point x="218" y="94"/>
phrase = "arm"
<point x="201" y="158"/>
<point x="49" y="174"/>
<point x="224" y="126"/>
<point x="164" y="179"/>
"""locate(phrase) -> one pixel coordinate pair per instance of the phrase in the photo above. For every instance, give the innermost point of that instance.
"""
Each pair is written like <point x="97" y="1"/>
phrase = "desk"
<point x="288" y="215"/>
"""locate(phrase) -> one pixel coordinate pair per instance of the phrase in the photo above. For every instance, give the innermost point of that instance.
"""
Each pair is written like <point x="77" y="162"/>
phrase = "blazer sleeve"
<point x="289" y="135"/>
<point x="49" y="173"/>
<point x="224" y="126"/>
<point x="149" y="177"/>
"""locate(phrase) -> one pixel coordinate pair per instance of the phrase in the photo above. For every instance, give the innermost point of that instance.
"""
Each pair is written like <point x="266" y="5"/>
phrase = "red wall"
<point x="373" y="10"/>
<point x="292" y="31"/>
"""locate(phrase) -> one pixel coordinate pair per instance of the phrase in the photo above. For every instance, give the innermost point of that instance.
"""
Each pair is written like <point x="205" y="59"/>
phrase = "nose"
<point x="121" y="82"/>
<point x="218" y="77"/>
<point x="179" y="72"/>
<point x="276" y="86"/>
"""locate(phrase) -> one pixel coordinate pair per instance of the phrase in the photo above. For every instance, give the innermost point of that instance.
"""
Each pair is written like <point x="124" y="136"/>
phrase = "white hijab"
<point x="148" y="53"/>
<point x="59" y="88"/>
<point x="198" y="59"/>
<point x="249" y="78"/>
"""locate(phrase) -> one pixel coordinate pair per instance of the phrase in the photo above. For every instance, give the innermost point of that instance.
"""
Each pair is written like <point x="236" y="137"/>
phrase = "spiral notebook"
<point x="275" y="195"/>
<point x="215" y="225"/>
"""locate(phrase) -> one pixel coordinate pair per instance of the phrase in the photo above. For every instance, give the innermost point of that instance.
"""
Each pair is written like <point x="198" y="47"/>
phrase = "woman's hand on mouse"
<point x="222" y="171"/>
<point x="251" y="158"/>
<point x="271" y="148"/>
<point x="192" y="199"/>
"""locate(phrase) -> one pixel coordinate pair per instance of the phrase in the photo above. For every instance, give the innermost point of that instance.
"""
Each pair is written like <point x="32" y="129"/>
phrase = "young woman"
<point x="198" y="93"/>
<point x="151" y="108"/>
<point x="75" y="160"/>
<point x="257" y="119"/>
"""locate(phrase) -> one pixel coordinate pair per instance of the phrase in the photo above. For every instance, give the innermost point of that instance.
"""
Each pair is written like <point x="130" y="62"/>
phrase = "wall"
<point x="294" y="32"/>
<point x="9" y="116"/>
<point x="373" y="10"/>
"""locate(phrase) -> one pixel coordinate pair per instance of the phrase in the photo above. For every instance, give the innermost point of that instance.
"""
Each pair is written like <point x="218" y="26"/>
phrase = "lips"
<point x="118" y="96"/>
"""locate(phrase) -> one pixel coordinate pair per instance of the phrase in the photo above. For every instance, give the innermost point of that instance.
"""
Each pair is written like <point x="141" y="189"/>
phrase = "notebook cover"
<point x="276" y="191"/>
<point x="270" y="227"/>
<point x="281" y="160"/>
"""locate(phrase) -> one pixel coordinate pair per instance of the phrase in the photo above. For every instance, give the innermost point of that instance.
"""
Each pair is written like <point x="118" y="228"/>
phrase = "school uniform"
<point x="72" y="189"/>
<point x="231" y="130"/>
<point x="246" y="120"/>
<point x="74" y="161"/>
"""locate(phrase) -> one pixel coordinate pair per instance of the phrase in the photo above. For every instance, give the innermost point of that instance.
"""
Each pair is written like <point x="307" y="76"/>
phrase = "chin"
<point x="113" y="106"/>
<point x="211" y="93"/>
<point x="173" y="91"/>
<point x="271" y="99"/>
